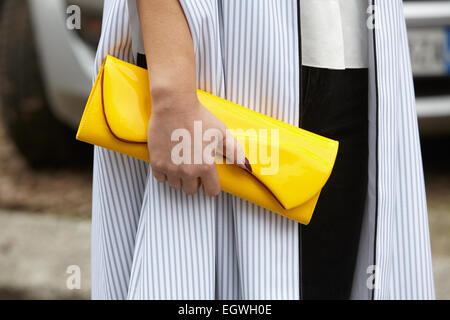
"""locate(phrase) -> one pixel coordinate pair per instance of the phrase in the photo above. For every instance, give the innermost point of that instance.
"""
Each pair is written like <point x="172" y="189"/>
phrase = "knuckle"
<point x="204" y="169"/>
<point x="158" y="166"/>
<point x="174" y="170"/>
<point x="185" y="171"/>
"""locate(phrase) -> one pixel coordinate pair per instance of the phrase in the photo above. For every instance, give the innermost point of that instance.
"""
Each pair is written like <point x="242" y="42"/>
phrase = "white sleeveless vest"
<point x="334" y="33"/>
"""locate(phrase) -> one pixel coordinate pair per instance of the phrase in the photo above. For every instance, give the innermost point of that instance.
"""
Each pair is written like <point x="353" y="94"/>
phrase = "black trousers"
<point x="334" y="104"/>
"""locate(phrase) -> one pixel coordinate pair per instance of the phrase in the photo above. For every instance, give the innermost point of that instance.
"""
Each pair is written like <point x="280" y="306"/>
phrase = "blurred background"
<point x="45" y="175"/>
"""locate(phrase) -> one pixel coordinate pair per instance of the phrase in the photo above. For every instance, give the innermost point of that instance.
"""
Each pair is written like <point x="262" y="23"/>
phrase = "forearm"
<point x="169" y="50"/>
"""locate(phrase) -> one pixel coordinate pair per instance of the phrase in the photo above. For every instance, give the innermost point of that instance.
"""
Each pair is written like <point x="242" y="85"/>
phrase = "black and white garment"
<point x="152" y="242"/>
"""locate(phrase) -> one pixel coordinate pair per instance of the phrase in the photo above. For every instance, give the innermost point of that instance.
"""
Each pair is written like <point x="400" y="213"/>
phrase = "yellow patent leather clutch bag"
<point x="119" y="108"/>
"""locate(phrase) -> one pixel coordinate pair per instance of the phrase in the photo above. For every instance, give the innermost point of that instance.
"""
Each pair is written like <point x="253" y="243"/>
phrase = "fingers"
<point x="235" y="152"/>
<point x="241" y="159"/>
<point x="211" y="184"/>
<point x="190" y="185"/>
<point x="174" y="181"/>
<point x="159" y="176"/>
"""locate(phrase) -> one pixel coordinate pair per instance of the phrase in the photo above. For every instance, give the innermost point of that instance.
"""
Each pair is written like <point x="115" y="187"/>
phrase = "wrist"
<point x="173" y="99"/>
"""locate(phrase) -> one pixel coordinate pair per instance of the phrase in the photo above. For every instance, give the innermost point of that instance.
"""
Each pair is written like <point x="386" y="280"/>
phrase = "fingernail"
<point x="247" y="165"/>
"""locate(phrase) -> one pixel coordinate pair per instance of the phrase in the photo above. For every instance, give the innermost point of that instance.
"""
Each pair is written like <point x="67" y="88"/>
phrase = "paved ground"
<point x="436" y="155"/>
<point x="36" y="252"/>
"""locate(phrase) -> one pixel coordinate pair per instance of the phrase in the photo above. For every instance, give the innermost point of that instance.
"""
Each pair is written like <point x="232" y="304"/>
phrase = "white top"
<point x="334" y="33"/>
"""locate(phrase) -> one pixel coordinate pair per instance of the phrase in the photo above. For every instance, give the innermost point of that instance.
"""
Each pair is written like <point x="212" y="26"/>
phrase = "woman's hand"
<point x="174" y="114"/>
<point x="172" y="74"/>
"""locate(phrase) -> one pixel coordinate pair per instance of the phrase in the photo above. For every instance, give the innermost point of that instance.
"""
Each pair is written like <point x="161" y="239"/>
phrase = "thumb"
<point x="234" y="151"/>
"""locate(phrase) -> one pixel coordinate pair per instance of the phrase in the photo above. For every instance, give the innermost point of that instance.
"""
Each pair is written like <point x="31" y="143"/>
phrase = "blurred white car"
<point x="46" y="72"/>
<point x="429" y="38"/>
<point x="45" y="77"/>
